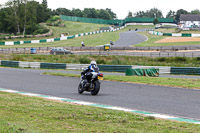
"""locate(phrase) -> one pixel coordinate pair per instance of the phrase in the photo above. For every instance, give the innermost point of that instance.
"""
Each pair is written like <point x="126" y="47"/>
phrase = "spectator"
<point x="82" y="43"/>
<point x="111" y="42"/>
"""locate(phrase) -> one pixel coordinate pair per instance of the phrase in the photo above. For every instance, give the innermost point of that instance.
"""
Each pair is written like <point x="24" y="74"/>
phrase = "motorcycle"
<point x="90" y="83"/>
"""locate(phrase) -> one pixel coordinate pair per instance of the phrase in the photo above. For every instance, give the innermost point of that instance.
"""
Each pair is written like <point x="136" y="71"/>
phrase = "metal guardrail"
<point x="79" y="50"/>
<point x="109" y="68"/>
<point x="185" y="70"/>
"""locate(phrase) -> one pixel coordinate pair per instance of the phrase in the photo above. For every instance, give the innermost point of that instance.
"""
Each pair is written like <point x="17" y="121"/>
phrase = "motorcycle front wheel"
<point x="96" y="89"/>
<point x="80" y="90"/>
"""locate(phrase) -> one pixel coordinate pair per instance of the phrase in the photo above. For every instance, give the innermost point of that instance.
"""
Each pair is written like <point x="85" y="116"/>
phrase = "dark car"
<point x="56" y="51"/>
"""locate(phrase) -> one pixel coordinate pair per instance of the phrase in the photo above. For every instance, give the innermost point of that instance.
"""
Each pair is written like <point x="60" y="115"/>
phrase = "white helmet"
<point x="93" y="63"/>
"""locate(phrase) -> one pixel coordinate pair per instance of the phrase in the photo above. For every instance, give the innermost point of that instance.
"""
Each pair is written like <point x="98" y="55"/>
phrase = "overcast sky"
<point x="122" y="7"/>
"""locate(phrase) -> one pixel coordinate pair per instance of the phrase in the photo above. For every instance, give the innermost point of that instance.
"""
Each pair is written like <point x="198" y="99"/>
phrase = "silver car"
<point x="56" y="51"/>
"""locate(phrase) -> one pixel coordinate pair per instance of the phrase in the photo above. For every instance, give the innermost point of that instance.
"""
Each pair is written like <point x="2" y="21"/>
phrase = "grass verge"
<point x="161" y="81"/>
<point x="77" y="28"/>
<point x="153" y="38"/>
<point x="22" y="114"/>
<point x="106" y="60"/>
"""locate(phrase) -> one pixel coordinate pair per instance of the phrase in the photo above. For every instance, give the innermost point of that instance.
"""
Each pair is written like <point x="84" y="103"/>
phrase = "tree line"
<point x="86" y="13"/>
<point x="156" y="13"/>
<point x="21" y="17"/>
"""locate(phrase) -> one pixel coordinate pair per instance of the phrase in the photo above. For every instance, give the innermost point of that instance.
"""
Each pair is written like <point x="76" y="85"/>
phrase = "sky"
<point x="122" y="7"/>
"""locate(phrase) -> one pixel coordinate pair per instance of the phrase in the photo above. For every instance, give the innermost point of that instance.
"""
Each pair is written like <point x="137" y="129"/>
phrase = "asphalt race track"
<point x="164" y="100"/>
<point x="130" y="38"/>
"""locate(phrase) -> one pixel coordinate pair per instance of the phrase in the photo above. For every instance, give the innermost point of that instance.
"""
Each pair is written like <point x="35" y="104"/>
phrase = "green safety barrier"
<point x="185" y="70"/>
<point x="92" y="20"/>
<point x="139" y="20"/>
<point x="153" y="72"/>
<point x="2" y="43"/>
<point x="186" y="35"/>
<point x="167" y="34"/>
<point x="71" y="37"/>
<point x="16" y="42"/>
<point x="27" y="42"/>
<point x="52" y="66"/>
<point x="114" y="68"/>
<point x="41" y="41"/>
<point x="116" y="22"/>
<point x="56" y="39"/>
<point x="10" y="63"/>
<point x="166" y="20"/>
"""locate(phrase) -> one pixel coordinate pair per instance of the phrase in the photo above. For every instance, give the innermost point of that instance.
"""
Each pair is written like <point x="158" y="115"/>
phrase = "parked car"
<point x="56" y="51"/>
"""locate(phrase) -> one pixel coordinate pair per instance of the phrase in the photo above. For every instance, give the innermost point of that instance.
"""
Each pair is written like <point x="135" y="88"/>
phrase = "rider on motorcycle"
<point x="89" y="80"/>
<point x="87" y="73"/>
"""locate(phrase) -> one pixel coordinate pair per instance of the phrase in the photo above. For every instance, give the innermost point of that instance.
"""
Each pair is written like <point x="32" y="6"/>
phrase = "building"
<point x="190" y="21"/>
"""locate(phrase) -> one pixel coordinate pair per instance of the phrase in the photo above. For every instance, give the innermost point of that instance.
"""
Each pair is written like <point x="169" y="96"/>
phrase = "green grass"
<point x="31" y="114"/>
<point x="175" y="30"/>
<point x="161" y="81"/>
<point x="75" y="28"/>
<point x="164" y="30"/>
<point x="106" y="60"/>
<point x="153" y="38"/>
<point x="71" y="27"/>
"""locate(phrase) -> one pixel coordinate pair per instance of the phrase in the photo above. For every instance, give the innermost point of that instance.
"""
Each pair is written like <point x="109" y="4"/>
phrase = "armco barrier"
<point x="10" y="63"/>
<point x="108" y="68"/>
<point x="186" y="35"/>
<point x="76" y="66"/>
<point x="174" y="34"/>
<point x="29" y="64"/>
<point x="167" y="34"/>
<point x="114" y="68"/>
<point x="52" y="66"/>
<point x="185" y="70"/>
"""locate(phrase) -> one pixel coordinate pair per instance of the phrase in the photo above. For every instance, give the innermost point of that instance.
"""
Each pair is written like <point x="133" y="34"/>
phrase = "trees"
<point x="77" y="12"/>
<point x="178" y="14"/>
<point x="4" y="25"/>
<point x="87" y="13"/>
<point x="103" y="14"/>
<point x="90" y="13"/>
<point x="130" y="15"/>
<point x="46" y="11"/>
<point x="195" y="11"/>
<point x="140" y="14"/>
<point x="155" y="21"/>
<point x="171" y="14"/>
<point x="152" y="13"/>
<point x="22" y="16"/>
<point x="112" y="14"/>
